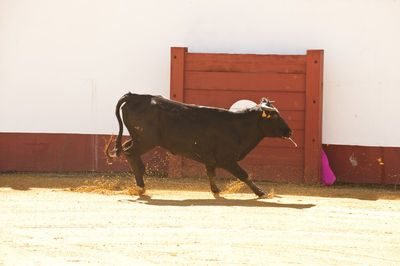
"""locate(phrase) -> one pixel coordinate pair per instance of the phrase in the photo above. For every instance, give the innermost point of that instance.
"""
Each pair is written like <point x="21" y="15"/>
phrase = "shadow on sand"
<point x="215" y="202"/>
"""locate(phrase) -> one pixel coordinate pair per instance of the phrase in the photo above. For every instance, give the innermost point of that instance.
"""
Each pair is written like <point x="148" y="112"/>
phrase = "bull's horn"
<point x="265" y="107"/>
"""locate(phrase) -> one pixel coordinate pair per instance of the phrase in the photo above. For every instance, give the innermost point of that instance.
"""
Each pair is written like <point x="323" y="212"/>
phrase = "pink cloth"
<point x="327" y="176"/>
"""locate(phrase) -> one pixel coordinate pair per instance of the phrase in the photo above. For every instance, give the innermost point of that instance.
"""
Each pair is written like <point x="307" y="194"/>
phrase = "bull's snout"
<point x="288" y="134"/>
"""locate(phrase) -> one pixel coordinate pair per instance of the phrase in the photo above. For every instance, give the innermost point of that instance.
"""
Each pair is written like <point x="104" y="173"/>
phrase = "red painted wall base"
<point x="42" y="152"/>
<point x="362" y="164"/>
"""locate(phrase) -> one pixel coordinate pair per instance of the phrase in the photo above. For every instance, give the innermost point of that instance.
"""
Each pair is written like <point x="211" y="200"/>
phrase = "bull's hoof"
<point x="270" y="195"/>
<point x="215" y="190"/>
<point x="136" y="191"/>
<point x="265" y="196"/>
<point x="216" y="195"/>
<point x="140" y="190"/>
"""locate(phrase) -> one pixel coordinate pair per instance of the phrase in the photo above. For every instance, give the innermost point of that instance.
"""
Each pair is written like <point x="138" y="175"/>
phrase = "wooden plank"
<point x="55" y="152"/>
<point x="245" y="81"/>
<point x="175" y="165"/>
<point x="295" y="119"/>
<point x="390" y="159"/>
<point x="177" y="73"/>
<point x="276" y="156"/>
<point x="294" y="101"/>
<point x="298" y="137"/>
<point x="275" y="173"/>
<point x="313" y="117"/>
<point x="193" y="169"/>
<point x="245" y="63"/>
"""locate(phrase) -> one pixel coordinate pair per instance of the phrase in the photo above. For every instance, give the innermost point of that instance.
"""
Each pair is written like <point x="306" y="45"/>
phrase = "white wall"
<point x="65" y="63"/>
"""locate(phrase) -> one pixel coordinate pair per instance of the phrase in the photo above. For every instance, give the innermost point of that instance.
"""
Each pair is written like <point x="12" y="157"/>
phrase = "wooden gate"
<point x="293" y="81"/>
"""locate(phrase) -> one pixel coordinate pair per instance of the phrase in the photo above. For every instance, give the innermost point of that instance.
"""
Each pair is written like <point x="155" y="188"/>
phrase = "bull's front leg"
<point x="238" y="171"/>
<point x="211" y="176"/>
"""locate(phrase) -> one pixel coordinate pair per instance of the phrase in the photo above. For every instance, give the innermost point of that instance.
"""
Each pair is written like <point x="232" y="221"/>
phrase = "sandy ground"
<point x="79" y="219"/>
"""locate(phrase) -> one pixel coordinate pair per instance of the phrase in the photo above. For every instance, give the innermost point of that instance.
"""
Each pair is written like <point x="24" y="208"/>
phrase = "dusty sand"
<point x="54" y="219"/>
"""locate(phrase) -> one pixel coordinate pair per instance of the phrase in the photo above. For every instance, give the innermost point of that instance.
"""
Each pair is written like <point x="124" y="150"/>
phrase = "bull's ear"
<point x="265" y="115"/>
<point x="264" y="100"/>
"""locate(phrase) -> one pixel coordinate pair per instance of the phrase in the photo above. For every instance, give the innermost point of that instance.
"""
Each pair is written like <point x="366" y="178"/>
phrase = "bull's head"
<point x="271" y="122"/>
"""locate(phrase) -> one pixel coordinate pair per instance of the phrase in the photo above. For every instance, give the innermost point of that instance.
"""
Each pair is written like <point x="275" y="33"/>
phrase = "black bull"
<point x="213" y="136"/>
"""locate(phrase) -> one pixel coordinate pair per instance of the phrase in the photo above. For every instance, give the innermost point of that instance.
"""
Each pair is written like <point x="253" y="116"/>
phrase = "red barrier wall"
<point x="293" y="81"/>
<point x="44" y="152"/>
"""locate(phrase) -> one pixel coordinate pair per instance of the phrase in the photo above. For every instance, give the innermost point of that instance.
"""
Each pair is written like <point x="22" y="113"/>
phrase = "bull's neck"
<point x="250" y="135"/>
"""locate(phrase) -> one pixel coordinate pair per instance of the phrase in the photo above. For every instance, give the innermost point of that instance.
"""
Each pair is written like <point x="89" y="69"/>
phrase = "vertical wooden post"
<point x="177" y="79"/>
<point x="177" y="73"/>
<point x="313" y="116"/>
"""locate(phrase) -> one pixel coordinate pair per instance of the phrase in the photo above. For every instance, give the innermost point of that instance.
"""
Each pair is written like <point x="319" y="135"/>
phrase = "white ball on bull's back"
<point x="242" y="104"/>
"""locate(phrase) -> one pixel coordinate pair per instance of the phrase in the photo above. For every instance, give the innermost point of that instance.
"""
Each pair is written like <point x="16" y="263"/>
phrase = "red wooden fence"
<point x="293" y="81"/>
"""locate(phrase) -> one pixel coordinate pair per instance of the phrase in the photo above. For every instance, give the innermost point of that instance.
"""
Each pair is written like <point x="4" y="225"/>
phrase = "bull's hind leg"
<point x="138" y="170"/>
<point x="238" y="171"/>
<point x="211" y="176"/>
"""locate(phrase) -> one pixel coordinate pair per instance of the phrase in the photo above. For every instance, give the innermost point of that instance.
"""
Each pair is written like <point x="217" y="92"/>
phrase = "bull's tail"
<point x="118" y="142"/>
<point x="110" y="157"/>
